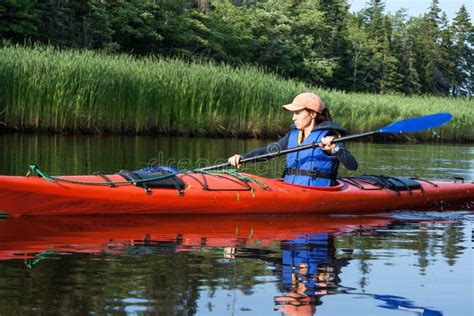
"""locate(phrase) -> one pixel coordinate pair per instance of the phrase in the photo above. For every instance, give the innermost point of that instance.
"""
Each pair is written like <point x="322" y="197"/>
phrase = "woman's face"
<point x="303" y="118"/>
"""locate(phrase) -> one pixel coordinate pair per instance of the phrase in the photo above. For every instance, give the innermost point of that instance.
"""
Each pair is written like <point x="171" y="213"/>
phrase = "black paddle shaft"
<point x="403" y="126"/>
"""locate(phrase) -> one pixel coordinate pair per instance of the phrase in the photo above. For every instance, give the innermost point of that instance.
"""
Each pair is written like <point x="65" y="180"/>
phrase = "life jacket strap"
<point x="310" y="173"/>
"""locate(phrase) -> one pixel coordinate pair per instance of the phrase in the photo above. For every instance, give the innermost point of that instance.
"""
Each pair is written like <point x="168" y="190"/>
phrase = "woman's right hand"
<point x="235" y="160"/>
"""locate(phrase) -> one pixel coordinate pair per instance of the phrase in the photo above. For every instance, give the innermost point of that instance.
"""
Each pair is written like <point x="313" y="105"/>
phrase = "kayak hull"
<point x="219" y="194"/>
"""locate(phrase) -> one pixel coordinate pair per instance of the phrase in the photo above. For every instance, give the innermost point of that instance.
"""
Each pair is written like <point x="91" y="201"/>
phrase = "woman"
<point x="312" y="123"/>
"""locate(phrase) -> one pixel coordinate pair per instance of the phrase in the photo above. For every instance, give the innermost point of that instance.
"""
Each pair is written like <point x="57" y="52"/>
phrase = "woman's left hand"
<point x="326" y="143"/>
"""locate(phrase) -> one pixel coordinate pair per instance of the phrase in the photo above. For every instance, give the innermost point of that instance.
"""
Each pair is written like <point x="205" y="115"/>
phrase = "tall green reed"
<point x="82" y="91"/>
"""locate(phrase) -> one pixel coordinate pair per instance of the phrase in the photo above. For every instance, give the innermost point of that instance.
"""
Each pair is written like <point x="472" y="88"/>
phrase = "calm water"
<point x="403" y="263"/>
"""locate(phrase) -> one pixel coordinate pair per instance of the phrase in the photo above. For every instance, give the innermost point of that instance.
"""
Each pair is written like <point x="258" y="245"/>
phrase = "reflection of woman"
<point x="312" y="123"/>
<point x="309" y="271"/>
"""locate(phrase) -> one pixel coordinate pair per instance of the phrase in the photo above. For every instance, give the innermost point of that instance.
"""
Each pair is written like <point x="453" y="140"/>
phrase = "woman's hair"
<point x="323" y="116"/>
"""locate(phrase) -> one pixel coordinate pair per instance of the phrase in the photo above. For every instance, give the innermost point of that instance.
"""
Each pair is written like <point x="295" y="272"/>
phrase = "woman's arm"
<point x="338" y="150"/>
<point x="281" y="144"/>
<point x="345" y="157"/>
<point x="277" y="146"/>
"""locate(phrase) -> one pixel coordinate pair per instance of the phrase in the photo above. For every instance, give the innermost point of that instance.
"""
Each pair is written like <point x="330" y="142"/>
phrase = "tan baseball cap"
<point x="306" y="100"/>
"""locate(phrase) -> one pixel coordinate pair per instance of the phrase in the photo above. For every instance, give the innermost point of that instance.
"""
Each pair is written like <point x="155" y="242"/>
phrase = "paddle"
<point x="410" y="125"/>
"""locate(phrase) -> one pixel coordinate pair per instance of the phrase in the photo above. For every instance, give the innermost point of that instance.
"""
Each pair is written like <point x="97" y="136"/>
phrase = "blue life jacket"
<point x="311" y="160"/>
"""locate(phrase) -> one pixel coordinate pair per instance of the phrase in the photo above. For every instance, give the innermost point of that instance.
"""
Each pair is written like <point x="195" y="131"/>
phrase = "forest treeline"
<point x="319" y="42"/>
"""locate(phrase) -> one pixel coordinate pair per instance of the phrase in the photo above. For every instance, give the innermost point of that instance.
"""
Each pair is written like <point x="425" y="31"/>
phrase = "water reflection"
<point x="184" y="264"/>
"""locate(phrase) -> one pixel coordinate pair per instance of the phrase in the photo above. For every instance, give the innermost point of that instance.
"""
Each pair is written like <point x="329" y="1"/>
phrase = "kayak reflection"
<point x="25" y="237"/>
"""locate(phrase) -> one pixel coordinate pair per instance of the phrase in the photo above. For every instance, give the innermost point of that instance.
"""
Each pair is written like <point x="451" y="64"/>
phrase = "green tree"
<point x="463" y="54"/>
<point x="184" y="29"/>
<point x="361" y="52"/>
<point x="60" y="22"/>
<point x="18" y="19"/>
<point x="434" y="79"/>
<point x="390" y="79"/>
<point x="402" y="48"/>
<point x="135" y="25"/>
<point x="376" y="30"/>
<point x="336" y="44"/>
<point x="407" y="56"/>
<point x="274" y="43"/>
<point x="311" y="45"/>
<point x="97" y="29"/>
<point x="231" y="38"/>
<point x="374" y="19"/>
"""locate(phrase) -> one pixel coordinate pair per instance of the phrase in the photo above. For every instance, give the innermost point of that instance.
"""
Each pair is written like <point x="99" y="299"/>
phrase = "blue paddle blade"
<point x="417" y="124"/>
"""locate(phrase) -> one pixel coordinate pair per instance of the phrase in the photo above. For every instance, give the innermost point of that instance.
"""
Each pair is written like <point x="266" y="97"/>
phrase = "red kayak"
<point x="222" y="193"/>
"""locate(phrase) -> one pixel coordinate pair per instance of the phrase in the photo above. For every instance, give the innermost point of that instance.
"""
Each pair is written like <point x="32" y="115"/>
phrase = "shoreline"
<point x="378" y="139"/>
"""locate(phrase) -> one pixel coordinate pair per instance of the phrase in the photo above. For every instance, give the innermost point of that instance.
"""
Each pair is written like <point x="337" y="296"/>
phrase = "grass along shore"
<point x="82" y="91"/>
